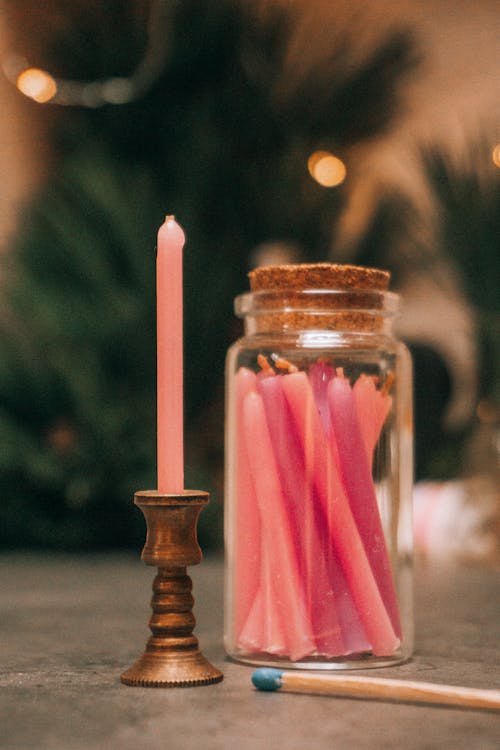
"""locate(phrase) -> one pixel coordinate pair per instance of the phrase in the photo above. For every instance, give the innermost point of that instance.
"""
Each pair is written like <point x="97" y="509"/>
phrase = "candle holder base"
<point x="158" y="670"/>
<point x="172" y="657"/>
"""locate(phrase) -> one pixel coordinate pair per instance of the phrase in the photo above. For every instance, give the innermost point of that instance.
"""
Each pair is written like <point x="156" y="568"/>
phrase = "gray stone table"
<point x="70" y="625"/>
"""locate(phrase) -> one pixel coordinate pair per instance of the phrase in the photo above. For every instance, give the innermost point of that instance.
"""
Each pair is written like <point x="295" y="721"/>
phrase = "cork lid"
<point x="318" y="276"/>
<point x="326" y="296"/>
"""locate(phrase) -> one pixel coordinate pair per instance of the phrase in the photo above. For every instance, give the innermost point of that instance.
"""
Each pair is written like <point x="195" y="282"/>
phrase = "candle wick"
<point x="389" y="381"/>
<point x="263" y="363"/>
<point x="283" y="364"/>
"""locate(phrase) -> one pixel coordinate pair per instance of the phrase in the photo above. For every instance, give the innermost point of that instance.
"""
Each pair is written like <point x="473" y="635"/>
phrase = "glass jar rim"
<point x="317" y="302"/>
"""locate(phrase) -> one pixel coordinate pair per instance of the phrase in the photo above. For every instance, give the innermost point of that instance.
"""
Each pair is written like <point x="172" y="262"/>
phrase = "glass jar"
<point x="319" y="474"/>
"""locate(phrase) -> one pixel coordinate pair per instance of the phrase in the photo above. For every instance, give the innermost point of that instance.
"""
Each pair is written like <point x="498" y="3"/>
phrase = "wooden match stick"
<point x="376" y="687"/>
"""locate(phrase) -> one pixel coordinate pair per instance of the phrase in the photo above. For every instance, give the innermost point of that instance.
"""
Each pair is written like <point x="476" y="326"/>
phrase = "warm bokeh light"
<point x="328" y="170"/>
<point x="487" y="412"/>
<point x="496" y="155"/>
<point x="37" y="84"/>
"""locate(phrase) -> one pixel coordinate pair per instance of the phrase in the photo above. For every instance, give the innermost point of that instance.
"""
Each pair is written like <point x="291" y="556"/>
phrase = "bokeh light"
<point x="37" y="84"/>
<point x="496" y="155"/>
<point x="328" y="170"/>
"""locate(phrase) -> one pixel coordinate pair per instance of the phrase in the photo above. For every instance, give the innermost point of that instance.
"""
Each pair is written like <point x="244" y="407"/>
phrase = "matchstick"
<point x="406" y="691"/>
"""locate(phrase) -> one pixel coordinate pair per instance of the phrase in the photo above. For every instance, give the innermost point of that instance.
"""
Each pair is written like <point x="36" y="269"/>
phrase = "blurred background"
<point x="275" y="131"/>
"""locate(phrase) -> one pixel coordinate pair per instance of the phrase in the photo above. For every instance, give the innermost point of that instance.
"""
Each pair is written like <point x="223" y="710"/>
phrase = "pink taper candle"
<point x="283" y="573"/>
<point x="169" y="347"/>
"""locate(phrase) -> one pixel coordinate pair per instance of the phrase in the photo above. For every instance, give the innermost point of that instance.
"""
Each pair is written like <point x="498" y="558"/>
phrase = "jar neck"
<point x="340" y="310"/>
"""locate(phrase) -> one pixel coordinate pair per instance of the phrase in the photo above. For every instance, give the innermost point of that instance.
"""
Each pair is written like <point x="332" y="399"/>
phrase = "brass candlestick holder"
<point x="172" y="657"/>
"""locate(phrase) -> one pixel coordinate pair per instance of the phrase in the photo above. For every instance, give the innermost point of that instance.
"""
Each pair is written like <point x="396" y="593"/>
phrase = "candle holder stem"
<point x="172" y="657"/>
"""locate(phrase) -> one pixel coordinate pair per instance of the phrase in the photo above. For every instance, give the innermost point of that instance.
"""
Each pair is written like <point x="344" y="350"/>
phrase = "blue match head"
<point x="267" y="679"/>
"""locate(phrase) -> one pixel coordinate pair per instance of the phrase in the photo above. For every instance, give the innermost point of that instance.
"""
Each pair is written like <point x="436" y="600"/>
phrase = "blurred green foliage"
<point x="213" y="144"/>
<point x="469" y="210"/>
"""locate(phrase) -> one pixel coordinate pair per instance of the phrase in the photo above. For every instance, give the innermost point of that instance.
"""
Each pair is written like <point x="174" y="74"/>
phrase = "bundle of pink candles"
<point x="312" y="571"/>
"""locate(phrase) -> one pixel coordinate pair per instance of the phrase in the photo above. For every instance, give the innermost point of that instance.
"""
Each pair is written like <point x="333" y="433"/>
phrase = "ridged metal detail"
<point x="209" y="680"/>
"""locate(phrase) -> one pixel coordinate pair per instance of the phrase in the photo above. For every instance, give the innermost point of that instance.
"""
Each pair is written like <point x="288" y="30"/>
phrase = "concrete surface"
<point x="70" y="625"/>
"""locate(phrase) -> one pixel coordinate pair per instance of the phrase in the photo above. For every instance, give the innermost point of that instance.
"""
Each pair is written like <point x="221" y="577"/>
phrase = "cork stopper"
<point x="326" y="296"/>
<point x="318" y="276"/>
